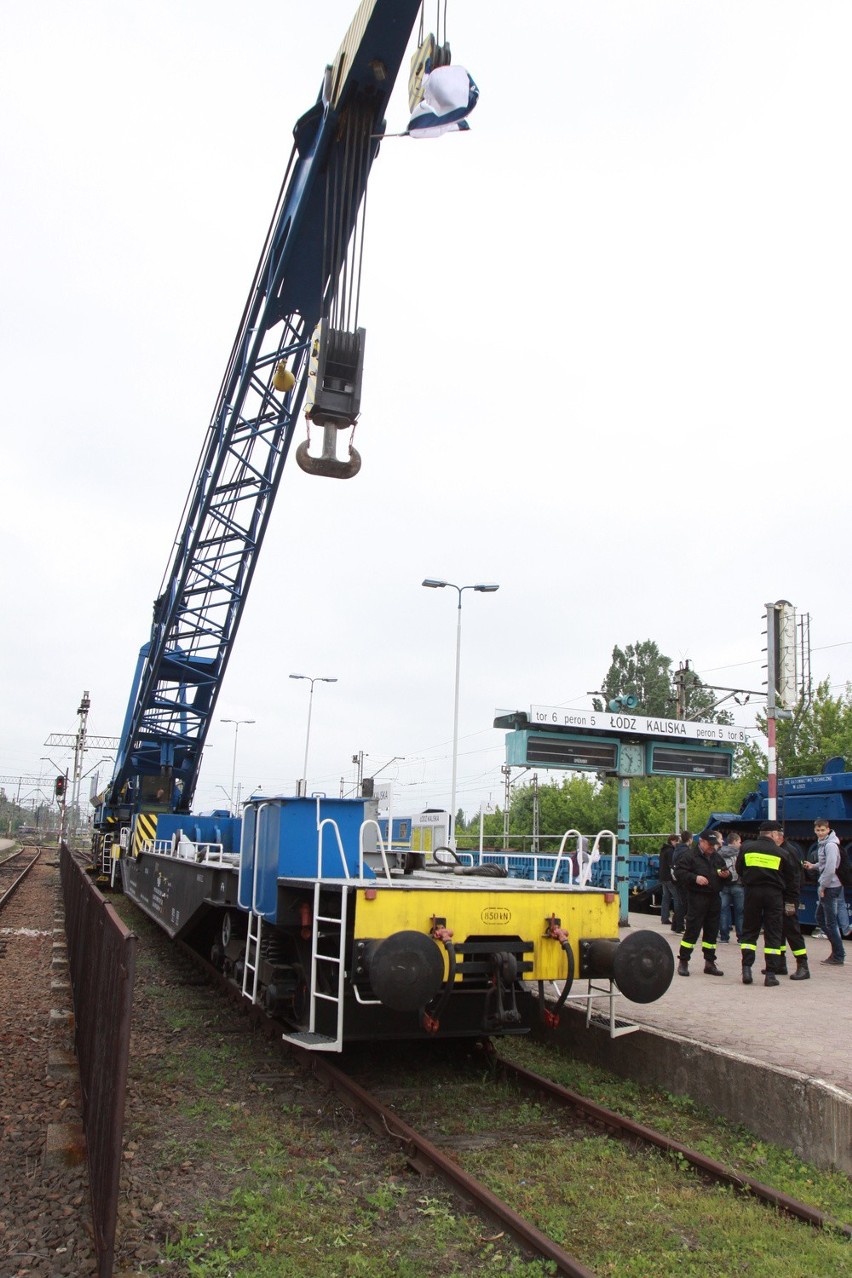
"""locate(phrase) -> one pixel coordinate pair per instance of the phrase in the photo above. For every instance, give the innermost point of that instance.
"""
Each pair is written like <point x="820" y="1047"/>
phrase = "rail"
<point x="7" y="892"/>
<point x="102" y="962"/>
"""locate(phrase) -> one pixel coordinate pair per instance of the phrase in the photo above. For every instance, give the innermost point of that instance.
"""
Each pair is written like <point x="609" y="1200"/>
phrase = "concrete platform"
<point x="800" y="1025"/>
<point x="777" y="1060"/>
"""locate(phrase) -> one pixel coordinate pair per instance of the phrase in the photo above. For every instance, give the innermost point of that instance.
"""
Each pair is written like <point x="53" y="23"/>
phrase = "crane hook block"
<point x="328" y="463"/>
<point x="335" y="369"/>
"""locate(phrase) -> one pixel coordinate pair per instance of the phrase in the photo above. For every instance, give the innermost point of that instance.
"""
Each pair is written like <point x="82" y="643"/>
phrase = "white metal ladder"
<point x="106" y="855"/>
<point x="596" y="1018"/>
<point x="251" y="963"/>
<point x="337" y="962"/>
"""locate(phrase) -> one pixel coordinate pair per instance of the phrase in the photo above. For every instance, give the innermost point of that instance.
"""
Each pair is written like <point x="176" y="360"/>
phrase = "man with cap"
<point x="770" y="883"/>
<point x="701" y="871"/>
<point x="792" y="930"/>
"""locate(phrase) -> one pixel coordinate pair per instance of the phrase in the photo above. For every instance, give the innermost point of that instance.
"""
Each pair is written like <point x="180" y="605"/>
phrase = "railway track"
<point x="46" y="1224"/>
<point x="386" y="1109"/>
<point x="626" y="1128"/>
<point x="14" y="870"/>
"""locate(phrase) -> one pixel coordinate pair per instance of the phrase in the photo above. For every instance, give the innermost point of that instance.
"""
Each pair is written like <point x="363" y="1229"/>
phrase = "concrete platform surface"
<point x="804" y="1026"/>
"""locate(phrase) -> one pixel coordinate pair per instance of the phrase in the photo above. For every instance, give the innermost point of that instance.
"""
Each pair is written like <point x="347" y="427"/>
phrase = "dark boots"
<point x="682" y="968"/>
<point x="802" y="972"/>
<point x="769" y="979"/>
<point x="710" y="969"/>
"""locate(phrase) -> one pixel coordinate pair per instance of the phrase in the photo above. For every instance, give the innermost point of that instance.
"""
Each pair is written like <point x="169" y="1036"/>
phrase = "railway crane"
<point x="298" y="326"/>
<point x="299" y="901"/>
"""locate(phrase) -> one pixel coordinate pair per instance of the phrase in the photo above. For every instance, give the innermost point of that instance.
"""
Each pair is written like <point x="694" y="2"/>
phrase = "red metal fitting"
<point x="439" y="929"/>
<point x="551" y="1019"/>
<point x="430" y="1025"/>
<point x="554" y="931"/>
<point x="305" y="920"/>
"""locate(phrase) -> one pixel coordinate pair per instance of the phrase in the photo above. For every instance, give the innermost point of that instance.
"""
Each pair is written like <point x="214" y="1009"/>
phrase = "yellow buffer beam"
<point x="491" y="913"/>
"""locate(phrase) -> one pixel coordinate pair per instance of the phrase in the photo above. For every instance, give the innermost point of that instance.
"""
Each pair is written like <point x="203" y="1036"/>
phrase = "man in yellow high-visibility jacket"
<point x="770" y="882"/>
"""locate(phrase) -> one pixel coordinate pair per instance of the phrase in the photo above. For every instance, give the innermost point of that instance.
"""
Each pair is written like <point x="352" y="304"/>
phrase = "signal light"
<point x="59" y="787"/>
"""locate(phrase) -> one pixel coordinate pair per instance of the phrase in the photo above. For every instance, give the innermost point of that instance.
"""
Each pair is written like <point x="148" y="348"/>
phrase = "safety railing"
<point x="329" y="823"/>
<point x="571" y="868"/>
<point x="187" y="850"/>
<point x="596" y="855"/>
<point x="366" y="825"/>
<point x="569" y="834"/>
<point x="102" y="962"/>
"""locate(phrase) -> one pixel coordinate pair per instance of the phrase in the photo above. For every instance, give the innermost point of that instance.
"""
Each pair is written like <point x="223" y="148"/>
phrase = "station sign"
<point x="634" y="725"/>
<point x="562" y="750"/>
<point x="585" y="752"/>
<point x="703" y="760"/>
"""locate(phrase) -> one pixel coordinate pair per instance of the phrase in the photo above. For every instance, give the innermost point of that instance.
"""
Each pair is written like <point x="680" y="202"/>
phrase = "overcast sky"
<point x="608" y="336"/>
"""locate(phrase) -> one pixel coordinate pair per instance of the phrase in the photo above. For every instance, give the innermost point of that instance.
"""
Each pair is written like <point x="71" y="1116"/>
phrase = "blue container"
<point x="217" y="827"/>
<point x="281" y="840"/>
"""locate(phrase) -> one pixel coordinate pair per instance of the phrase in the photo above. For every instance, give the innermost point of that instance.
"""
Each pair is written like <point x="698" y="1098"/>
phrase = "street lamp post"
<point x="312" y="679"/>
<point x="486" y="588"/>
<point x="237" y="723"/>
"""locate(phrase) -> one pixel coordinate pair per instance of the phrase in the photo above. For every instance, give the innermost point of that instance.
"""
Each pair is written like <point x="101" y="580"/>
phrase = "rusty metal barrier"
<point x="102" y="962"/>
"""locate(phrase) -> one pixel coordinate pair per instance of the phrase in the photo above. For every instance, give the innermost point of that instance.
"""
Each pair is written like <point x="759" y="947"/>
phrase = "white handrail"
<point x="567" y="835"/>
<point x="206" y="853"/>
<point x="255" y="839"/>
<point x="361" y="832"/>
<point x="594" y="855"/>
<point x="324" y="822"/>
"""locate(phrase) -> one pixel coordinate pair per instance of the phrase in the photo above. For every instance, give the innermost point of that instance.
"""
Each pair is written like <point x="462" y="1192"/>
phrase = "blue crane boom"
<point x="297" y="323"/>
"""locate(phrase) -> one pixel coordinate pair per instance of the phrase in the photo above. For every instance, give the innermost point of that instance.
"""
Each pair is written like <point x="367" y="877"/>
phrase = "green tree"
<point x="643" y="671"/>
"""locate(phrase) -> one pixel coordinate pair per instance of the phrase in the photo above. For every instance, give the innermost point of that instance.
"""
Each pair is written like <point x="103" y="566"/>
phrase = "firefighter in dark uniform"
<point x="792" y="930"/>
<point x="770" y="883"/>
<point x="701" y="872"/>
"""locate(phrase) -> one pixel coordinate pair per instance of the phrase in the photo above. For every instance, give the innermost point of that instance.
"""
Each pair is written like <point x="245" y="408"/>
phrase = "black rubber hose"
<point x="431" y="1020"/>
<point x="569" y="982"/>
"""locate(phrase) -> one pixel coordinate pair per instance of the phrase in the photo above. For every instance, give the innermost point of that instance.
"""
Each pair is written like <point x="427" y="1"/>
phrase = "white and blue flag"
<point x="449" y="96"/>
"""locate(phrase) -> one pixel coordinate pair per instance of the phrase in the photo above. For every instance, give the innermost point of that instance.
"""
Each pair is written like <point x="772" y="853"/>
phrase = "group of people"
<point x="711" y="886"/>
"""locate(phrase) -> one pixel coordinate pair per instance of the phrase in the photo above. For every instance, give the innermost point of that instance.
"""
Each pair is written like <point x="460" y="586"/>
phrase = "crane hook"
<point x="328" y="463"/>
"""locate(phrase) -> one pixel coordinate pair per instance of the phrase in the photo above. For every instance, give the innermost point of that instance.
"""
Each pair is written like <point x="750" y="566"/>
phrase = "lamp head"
<point x="433" y="584"/>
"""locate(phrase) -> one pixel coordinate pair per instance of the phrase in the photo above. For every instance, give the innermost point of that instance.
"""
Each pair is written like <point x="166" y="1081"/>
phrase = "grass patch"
<point x="244" y="1167"/>
<point x="688" y="1122"/>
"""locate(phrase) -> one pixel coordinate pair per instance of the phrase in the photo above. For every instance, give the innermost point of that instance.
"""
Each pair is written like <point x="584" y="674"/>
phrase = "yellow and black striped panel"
<point x="144" y="829"/>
